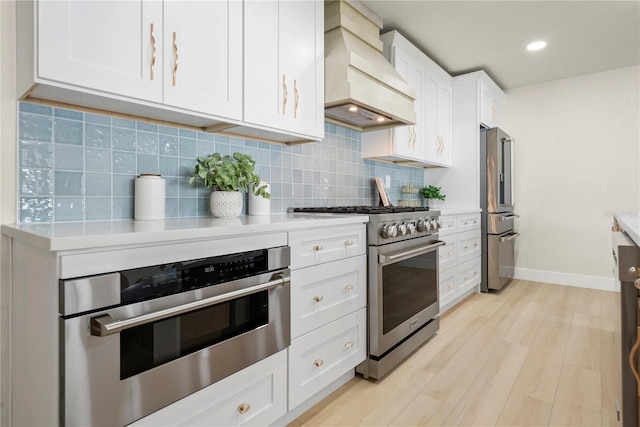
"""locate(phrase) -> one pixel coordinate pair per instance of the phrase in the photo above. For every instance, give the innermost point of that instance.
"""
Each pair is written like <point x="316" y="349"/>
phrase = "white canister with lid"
<point x="149" y="193"/>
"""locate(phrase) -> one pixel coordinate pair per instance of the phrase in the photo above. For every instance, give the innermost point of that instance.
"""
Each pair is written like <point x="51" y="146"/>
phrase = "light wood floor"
<point x="533" y="355"/>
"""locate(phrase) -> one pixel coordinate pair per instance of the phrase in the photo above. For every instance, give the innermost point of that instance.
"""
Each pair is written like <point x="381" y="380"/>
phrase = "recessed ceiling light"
<point x="380" y="119"/>
<point x="536" y="45"/>
<point x="353" y="108"/>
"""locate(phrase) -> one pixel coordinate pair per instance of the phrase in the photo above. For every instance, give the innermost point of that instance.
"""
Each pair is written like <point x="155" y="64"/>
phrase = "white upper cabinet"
<point x="284" y="66"/>
<point x="429" y="141"/>
<point x="113" y="47"/>
<point x="186" y="62"/>
<point x="203" y="56"/>
<point x="490" y="99"/>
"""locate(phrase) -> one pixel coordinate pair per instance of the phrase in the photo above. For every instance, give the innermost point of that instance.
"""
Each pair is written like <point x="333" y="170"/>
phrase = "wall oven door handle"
<point x="509" y="237"/>
<point x="104" y="325"/>
<point x="384" y="259"/>
<point x="508" y="217"/>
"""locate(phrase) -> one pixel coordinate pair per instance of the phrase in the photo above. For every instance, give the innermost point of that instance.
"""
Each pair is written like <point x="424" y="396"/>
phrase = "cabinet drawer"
<point x="322" y="356"/>
<point x="323" y="293"/>
<point x="467" y="222"/>
<point x="448" y="225"/>
<point x="313" y="247"/>
<point x="468" y="245"/>
<point x="468" y="274"/>
<point x="259" y="391"/>
<point x="447" y="286"/>
<point x="447" y="253"/>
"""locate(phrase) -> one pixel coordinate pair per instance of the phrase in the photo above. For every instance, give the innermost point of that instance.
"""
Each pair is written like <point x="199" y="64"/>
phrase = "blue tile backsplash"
<point x="76" y="166"/>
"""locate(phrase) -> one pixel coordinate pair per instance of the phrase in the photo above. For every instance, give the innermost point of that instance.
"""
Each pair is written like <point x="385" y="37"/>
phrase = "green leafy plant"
<point x="433" y="192"/>
<point x="228" y="173"/>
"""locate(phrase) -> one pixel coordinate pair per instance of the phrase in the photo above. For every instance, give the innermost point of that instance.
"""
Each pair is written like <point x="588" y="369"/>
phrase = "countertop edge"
<point x="459" y="211"/>
<point x="630" y="223"/>
<point x="43" y="236"/>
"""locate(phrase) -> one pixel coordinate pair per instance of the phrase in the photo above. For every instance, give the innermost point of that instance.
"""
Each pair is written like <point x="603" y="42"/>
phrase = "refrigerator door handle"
<point x="509" y="237"/>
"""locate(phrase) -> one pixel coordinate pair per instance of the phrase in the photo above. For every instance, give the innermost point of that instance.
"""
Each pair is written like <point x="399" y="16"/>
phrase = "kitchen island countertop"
<point x="62" y="236"/>
<point x="630" y="223"/>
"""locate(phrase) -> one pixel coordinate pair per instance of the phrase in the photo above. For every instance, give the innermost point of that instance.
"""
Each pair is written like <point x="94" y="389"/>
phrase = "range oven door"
<point x="120" y="364"/>
<point x="403" y="290"/>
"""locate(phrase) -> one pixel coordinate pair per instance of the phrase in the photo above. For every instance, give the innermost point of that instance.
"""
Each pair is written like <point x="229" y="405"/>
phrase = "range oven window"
<point x="147" y="346"/>
<point x="408" y="287"/>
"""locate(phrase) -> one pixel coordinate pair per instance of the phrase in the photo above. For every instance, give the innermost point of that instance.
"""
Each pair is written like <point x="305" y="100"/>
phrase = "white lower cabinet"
<point x="320" y="357"/>
<point x="255" y="396"/>
<point x="460" y="258"/>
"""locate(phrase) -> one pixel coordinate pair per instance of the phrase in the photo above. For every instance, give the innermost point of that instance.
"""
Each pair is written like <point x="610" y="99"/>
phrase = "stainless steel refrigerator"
<point x="498" y="215"/>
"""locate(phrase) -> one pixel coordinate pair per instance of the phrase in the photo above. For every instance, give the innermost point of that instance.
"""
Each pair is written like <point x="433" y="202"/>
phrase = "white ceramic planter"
<point x="226" y="204"/>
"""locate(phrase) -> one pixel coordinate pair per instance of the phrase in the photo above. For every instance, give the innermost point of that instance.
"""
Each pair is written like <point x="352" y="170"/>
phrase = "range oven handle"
<point x="509" y="237"/>
<point x="384" y="259"/>
<point x="104" y="325"/>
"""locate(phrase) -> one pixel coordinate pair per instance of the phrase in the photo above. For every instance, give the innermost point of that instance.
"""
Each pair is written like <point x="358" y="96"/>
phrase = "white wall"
<point x="577" y="155"/>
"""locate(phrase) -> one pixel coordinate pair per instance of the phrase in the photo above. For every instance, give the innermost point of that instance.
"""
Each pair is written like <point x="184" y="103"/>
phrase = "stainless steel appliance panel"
<point x="498" y="223"/>
<point x="500" y="259"/>
<point x="496" y="147"/>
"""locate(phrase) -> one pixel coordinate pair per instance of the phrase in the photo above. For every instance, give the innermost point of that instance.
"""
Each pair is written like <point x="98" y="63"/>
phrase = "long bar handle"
<point x="295" y="105"/>
<point x="285" y="94"/>
<point x="177" y="54"/>
<point x="508" y="217"/>
<point x="104" y="325"/>
<point x="153" y="54"/>
<point x="418" y="251"/>
<point x="632" y="356"/>
<point x="511" y="237"/>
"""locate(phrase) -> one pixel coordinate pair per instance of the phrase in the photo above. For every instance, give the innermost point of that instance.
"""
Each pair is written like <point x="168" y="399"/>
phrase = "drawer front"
<point x="324" y="293"/>
<point x="447" y="286"/>
<point x="256" y="396"/>
<point x="312" y="247"/>
<point x="465" y="222"/>
<point x="468" y="274"/>
<point x="447" y="253"/>
<point x="468" y="246"/>
<point x="322" y="356"/>
<point x="448" y="223"/>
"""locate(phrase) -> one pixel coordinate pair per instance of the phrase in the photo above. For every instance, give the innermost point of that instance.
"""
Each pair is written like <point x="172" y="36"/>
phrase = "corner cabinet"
<point x="248" y="67"/>
<point x="428" y="142"/>
<point x="460" y="257"/>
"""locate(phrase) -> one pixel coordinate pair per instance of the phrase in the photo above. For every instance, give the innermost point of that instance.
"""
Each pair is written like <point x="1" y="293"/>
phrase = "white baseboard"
<point x="567" y="279"/>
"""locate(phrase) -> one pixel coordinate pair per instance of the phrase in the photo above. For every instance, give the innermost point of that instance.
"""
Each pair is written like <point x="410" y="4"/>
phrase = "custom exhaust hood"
<point x="362" y="89"/>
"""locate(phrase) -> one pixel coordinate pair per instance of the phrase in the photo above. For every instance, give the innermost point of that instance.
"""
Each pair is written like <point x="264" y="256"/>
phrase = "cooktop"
<point x="369" y="210"/>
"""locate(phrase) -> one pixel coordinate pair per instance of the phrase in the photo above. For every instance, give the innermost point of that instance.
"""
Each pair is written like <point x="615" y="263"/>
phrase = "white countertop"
<point x="630" y="223"/>
<point x="62" y="236"/>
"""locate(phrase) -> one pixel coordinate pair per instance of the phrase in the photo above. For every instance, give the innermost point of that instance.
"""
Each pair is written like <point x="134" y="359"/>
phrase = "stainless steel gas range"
<point x="403" y="304"/>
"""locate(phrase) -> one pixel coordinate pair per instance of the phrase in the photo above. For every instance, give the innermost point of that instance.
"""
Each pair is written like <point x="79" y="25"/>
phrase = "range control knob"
<point x="434" y="223"/>
<point x="411" y="228"/>
<point x="389" y="230"/>
<point x="438" y="223"/>
<point x="422" y="225"/>
<point x="402" y="229"/>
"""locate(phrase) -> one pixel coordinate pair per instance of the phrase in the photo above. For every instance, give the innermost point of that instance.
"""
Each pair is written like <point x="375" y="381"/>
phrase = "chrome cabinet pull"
<point x="318" y="298"/>
<point x="153" y="55"/>
<point x="634" y="271"/>
<point x="177" y="54"/>
<point x="285" y="94"/>
<point x="466" y="247"/>
<point x="295" y="105"/>
<point x="243" y="408"/>
<point x="317" y="248"/>
<point x="348" y="243"/>
<point x="348" y="345"/>
<point x="104" y="325"/>
<point x="450" y="286"/>
<point x="318" y="362"/>
<point x="636" y="283"/>
<point x="450" y="252"/>
<point x="348" y="288"/>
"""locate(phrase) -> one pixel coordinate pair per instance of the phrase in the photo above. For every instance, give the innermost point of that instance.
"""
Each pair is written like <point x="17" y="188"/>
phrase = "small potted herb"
<point x="433" y="195"/>
<point x="226" y="175"/>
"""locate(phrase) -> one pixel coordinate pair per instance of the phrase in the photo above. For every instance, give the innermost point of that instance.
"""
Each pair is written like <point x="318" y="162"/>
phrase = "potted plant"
<point x="226" y="175"/>
<point x="433" y="195"/>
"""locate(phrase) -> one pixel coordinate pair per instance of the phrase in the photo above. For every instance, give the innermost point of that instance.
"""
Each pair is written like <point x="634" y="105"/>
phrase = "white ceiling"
<point x="582" y="37"/>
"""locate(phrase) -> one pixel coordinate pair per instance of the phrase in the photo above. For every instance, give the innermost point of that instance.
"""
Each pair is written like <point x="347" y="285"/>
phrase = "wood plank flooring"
<point x="534" y="355"/>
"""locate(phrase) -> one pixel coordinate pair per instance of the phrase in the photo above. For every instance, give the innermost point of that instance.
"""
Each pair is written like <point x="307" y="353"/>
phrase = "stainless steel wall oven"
<point x="137" y="340"/>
